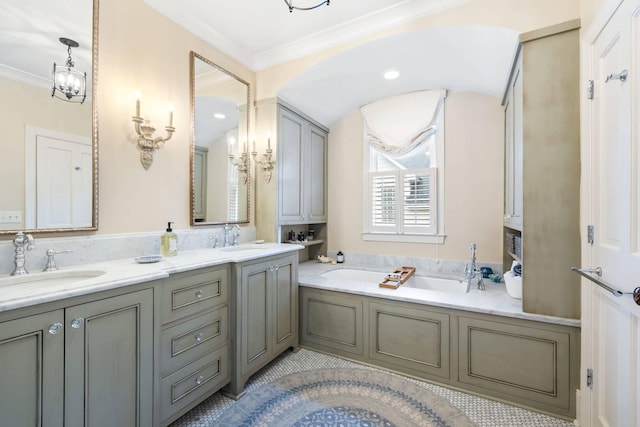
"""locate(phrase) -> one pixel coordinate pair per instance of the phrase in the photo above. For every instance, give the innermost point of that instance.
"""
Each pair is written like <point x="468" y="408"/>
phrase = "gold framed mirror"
<point x="220" y="158"/>
<point x="50" y="147"/>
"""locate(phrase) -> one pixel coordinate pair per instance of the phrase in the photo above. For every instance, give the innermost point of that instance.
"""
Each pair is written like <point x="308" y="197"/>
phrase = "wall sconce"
<point x="69" y="84"/>
<point x="146" y="142"/>
<point x="266" y="163"/>
<point x="242" y="163"/>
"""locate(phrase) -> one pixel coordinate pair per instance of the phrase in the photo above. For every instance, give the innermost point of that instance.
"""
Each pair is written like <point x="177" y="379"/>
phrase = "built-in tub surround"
<point x="98" y="248"/>
<point x="493" y="300"/>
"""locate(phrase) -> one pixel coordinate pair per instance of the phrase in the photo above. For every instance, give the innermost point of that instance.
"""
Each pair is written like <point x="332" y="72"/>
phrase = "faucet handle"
<point x="214" y="241"/>
<point x="51" y="262"/>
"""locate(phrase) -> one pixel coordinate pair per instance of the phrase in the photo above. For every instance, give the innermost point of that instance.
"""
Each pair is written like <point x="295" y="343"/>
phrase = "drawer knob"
<point x="55" y="328"/>
<point x="77" y="323"/>
<point x="198" y="294"/>
<point x="199" y="380"/>
<point x="199" y="337"/>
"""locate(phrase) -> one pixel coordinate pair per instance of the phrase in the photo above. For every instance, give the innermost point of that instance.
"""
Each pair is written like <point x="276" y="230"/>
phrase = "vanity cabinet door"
<point x="255" y="333"/>
<point x="285" y="307"/>
<point x="264" y="315"/>
<point x="32" y="373"/>
<point x="108" y="377"/>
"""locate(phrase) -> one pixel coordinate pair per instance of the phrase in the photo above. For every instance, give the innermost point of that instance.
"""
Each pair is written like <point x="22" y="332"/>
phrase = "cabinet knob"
<point x="271" y="268"/>
<point x="199" y="380"/>
<point x="198" y="294"/>
<point x="55" y="328"/>
<point x="77" y="323"/>
<point x="507" y="216"/>
<point x="277" y="267"/>
<point x="199" y="337"/>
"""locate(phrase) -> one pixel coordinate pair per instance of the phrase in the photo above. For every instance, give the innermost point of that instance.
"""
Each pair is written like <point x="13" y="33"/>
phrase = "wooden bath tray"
<point x="393" y="283"/>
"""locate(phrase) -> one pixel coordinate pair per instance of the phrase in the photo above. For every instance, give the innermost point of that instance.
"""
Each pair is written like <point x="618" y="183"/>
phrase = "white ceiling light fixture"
<point x="69" y="84"/>
<point x="219" y="116"/>
<point x="292" y="6"/>
<point x="391" y="74"/>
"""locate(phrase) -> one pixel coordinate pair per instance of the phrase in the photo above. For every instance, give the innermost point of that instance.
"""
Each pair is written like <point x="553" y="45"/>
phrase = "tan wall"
<point x="588" y="11"/>
<point x="474" y="156"/>
<point x="140" y="49"/>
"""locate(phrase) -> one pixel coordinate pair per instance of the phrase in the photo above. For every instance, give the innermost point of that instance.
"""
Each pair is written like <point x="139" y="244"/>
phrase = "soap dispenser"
<point x="169" y="242"/>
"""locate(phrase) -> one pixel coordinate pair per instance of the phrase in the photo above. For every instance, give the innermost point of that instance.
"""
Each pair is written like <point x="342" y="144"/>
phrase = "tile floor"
<point x="483" y="412"/>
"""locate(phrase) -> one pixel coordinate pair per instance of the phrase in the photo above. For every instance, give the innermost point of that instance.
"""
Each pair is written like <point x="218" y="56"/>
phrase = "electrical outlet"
<point x="10" y="217"/>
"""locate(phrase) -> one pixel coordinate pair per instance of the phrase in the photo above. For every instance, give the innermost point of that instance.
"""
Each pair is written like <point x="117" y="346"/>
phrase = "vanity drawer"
<point x="197" y="380"/>
<point x="188" y="293"/>
<point x="188" y="341"/>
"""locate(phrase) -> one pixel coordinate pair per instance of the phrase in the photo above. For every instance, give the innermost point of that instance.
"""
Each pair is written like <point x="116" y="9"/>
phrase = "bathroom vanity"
<point x="141" y="344"/>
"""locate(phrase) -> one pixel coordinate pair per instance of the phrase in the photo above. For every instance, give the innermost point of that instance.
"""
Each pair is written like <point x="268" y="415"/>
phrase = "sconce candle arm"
<point x="266" y="163"/>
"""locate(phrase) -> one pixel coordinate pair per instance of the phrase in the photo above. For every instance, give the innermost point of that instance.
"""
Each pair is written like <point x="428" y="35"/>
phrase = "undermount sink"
<point x="51" y="278"/>
<point x="245" y="248"/>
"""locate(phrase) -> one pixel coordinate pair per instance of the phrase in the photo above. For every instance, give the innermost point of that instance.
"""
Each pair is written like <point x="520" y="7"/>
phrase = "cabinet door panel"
<point x="290" y="187"/>
<point x="317" y="175"/>
<point x="108" y="380"/>
<point x="332" y="322"/>
<point x="31" y="378"/>
<point x="285" y="309"/>
<point x="255" y="321"/>
<point x="416" y="339"/>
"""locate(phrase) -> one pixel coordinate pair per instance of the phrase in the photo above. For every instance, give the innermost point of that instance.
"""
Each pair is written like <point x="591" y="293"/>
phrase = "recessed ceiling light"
<point x="391" y="74"/>
<point x="219" y="116"/>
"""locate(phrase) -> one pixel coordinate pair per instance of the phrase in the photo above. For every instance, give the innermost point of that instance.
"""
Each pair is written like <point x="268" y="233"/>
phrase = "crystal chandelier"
<point x="69" y="84"/>
<point x="292" y="6"/>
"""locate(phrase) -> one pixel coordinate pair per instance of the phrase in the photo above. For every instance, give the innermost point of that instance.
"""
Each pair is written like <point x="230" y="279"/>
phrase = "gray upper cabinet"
<point x="302" y="169"/>
<point x="264" y="315"/>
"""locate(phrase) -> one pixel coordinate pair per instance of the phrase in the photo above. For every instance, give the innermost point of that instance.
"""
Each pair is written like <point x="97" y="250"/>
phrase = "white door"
<point x="63" y="183"/>
<point x="610" y="202"/>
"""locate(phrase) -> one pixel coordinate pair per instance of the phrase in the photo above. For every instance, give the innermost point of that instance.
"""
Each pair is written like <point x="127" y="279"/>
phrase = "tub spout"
<point x="470" y="271"/>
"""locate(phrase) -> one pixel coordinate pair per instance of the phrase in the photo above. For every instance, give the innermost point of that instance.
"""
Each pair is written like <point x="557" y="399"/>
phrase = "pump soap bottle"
<point x="169" y="242"/>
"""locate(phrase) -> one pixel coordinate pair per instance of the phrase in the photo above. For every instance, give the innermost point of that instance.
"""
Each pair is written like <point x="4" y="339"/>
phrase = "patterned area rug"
<point x="342" y="397"/>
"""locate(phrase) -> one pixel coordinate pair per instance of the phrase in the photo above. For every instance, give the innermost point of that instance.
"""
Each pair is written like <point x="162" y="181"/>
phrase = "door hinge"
<point x="590" y="89"/>
<point x="590" y="233"/>
<point x="590" y="378"/>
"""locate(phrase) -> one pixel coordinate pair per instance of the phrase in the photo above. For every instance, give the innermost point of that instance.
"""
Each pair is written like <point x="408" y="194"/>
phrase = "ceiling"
<point x="29" y="33"/>
<point x="263" y="33"/>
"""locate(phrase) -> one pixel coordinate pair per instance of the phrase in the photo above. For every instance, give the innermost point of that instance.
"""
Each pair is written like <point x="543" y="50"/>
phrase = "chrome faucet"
<point x="236" y="235"/>
<point x="22" y="242"/>
<point x="225" y="237"/>
<point x="471" y="271"/>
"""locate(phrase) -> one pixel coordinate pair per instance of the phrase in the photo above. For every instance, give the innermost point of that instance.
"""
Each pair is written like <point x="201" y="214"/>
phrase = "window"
<point x="402" y="185"/>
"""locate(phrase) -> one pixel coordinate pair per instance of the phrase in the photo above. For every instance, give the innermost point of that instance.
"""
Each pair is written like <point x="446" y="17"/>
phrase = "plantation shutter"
<point x="403" y="201"/>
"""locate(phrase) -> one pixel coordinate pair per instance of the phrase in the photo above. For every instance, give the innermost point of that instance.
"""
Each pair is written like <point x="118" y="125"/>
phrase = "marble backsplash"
<point x="97" y="248"/>
<point x="424" y="266"/>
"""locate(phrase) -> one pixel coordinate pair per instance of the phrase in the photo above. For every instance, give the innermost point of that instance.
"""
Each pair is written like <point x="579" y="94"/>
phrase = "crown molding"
<point x="360" y="27"/>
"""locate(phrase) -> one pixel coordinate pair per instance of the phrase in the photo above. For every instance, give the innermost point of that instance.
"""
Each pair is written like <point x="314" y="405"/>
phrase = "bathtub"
<point x="369" y="278"/>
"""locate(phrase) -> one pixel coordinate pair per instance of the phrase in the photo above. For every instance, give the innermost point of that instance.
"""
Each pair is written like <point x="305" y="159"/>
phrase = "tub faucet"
<point x="22" y="242"/>
<point x="470" y="271"/>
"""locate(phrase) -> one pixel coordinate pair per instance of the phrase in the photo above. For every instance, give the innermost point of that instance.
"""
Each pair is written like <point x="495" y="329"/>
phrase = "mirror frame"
<point x="192" y="57"/>
<point x="94" y="138"/>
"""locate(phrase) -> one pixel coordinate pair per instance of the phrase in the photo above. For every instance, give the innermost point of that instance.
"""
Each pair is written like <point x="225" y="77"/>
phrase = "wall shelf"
<point x="307" y="242"/>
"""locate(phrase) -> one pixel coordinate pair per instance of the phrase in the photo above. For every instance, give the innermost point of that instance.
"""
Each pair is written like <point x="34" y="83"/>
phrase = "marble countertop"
<point x="28" y="291"/>
<point x="494" y="300"/>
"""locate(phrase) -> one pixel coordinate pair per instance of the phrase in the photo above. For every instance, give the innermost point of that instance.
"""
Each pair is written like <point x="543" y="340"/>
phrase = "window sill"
<point x="437" y="239"/>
